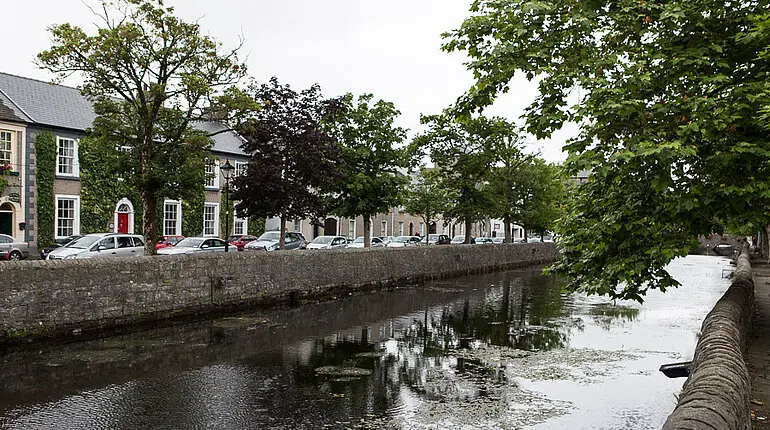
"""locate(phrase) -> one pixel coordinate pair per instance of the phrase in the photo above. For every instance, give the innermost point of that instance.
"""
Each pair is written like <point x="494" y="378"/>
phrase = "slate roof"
<point x="38" y="102"/>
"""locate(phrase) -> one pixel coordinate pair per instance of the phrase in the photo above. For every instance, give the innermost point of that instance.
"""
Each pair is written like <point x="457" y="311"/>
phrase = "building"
<point x="29" y="107"/>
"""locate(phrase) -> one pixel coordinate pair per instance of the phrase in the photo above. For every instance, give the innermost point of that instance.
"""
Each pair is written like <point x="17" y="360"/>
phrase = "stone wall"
<point x="716" y="394"/>
<point x="55" y="298"/>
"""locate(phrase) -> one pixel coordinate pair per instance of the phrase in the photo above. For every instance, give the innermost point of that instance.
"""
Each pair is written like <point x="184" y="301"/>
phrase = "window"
<point x="352" y="228"/>
<point x="67" y="215"/>
<point x="400" y="228"/>
<point x="240" y="168"/>
<point x="125" y="242"/>
<point x="6" y="144"/>
<point x="384" y="231"/>
<point x="212" y="174"/>
<point x="67" y="159"/>
<point x="139" y="243"/>
<point x="172" y="218"/>
<point x="210" y="215"/>
<point x="422" y="229"/>
<point x="107" y="243"/>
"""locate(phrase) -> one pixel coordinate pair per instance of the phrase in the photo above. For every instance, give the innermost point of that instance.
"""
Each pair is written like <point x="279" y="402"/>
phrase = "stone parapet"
<point x="57" y="298"/>
<point x="716" y="394"/>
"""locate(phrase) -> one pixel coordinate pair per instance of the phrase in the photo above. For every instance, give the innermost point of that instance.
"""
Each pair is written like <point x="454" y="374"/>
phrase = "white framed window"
<point x="400" y="228"/>
<point x="212" y="174"/>
<point x="67" y="215"/>
<point x="211" y="219"/>
<point x="67" y="157"/>
<point x="6" y="146"/>
<point x="172" y="218"/>
<point x="240" y="168"/>
<point x="422" y="229"/>
<point x="384" y="229"/>
<point x="297" y="225"/>
<point x="352" y="228"/>
<point x="240" y="226"/>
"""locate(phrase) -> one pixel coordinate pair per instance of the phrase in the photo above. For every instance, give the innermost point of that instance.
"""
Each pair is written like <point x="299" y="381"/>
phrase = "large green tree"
<point x="426" y="197"/>
<point x="668" y="96"/>
<point x="372" y="156"/>
<point x="150" y="76"/>
<point x="463" y="153"/>
<point x="293" y="162"/>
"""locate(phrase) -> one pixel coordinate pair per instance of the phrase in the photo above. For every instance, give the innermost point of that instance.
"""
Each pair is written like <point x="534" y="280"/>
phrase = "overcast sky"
<point x="388" y="48"/>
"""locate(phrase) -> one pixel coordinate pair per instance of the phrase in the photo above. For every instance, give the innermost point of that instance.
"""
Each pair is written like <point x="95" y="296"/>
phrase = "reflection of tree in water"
<point x="604" y="314"/>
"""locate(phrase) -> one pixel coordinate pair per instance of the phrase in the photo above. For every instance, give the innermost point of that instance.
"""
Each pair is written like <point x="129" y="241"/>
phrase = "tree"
<point x="426" y="197"/>
<point x="293" y="161"/>
<point x="463" y="153"/>
<point x="669" y="102"/>
<point x="507" y="183"/>
<point x="371" y="157"/>
<point x="149" y="75"/>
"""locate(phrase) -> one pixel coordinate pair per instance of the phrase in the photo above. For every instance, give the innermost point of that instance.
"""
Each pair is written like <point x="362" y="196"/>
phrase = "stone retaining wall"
<point x="55" y="298"/>
<point x="716" y="394"/>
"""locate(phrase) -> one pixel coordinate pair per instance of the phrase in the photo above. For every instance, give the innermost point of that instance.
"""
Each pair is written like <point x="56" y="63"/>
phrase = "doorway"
<point x="6" y="219"/>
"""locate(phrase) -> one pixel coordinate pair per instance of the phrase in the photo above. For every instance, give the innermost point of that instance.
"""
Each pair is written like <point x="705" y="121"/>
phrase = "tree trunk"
<point x="149" y="221"/>
<point x="765" y="245"/>
<point x="507" y="227"/>
<point x="468" y="231"/>
<point x="282" y="236"/>
<point x="367" y="232"/>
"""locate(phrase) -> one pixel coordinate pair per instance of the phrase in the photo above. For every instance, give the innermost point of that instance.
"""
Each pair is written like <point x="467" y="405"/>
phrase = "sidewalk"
<point x="758" y="355"/>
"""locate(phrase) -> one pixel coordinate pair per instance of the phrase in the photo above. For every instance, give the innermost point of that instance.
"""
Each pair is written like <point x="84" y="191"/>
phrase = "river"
<point x="506" y="350"/>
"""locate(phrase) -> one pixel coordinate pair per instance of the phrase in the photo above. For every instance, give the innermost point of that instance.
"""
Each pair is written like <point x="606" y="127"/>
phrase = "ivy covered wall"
<point x="45" y="173"/>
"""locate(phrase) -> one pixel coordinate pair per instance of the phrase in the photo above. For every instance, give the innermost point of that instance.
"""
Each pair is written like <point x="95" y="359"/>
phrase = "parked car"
<point x="438" y="239"/>
<point x="386" y="239"/>
<point x="166" y="241"/>
<point x="269" y="241"/>
<point x="10" y="249"/>
<point x="359" y="242"/>
<point x="100" y="245"/>
<point x="402" y="241"/>
<point x="240" y="240"/>
<point x="498" y="240"/>
<point x="58" y="243"/>
<point x="328" y="242"/>
<point x="459" y="240"/>
<point x="195" y="245"/>
<point x="483" y="240"/>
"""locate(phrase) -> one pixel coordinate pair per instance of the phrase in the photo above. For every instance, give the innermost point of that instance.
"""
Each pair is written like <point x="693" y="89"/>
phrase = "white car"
<point x="328" y="242"/>
<point x="359" y="242"/>
<point x="195" y="245"/>
<point x="402" y="241"/>
<point x="100" y="245"/>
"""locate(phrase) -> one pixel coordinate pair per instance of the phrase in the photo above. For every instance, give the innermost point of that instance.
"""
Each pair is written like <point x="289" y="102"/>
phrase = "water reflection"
<point x="462" y="351"/>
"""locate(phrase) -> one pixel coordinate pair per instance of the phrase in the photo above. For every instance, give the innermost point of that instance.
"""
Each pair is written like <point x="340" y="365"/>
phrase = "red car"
<point x="166" y="241"/>
<point x="240" y="240"/>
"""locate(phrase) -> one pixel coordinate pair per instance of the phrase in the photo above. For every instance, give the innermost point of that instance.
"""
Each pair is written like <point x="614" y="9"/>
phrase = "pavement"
<point x="758" y="354"/>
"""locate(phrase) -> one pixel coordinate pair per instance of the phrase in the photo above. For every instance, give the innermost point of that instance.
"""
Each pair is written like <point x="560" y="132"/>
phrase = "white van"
<point x="99" y="245"/>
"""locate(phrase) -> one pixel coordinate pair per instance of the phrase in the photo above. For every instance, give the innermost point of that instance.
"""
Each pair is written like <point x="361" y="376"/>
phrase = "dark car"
<point x="57" y="244"/>
<point x="438" y="239"/>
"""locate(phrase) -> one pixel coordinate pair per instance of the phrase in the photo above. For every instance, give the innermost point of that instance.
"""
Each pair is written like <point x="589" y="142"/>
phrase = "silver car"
<point x="328" y="242"/>
<point x="269" y="241"/>
<point x="194" y="245"/>
<point x="100" y="245"/>
<point x="12" y="250"/>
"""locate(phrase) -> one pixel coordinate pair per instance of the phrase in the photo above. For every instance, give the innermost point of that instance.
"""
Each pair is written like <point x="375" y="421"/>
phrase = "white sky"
<point x="388" y="48"/>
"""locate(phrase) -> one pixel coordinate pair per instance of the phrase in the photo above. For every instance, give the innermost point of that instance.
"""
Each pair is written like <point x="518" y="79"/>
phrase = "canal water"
<point x="506" y="350"/>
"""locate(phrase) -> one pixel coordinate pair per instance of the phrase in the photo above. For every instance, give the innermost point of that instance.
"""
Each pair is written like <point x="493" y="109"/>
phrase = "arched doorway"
<point x="7" y="212"/>
<point x="411" y="228"/>
<point x="330" y="226"/>
<point x="123" y="219"/>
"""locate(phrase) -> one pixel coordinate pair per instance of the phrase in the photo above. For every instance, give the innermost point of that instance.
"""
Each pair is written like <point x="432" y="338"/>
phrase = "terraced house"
<point x="29" y="108"/>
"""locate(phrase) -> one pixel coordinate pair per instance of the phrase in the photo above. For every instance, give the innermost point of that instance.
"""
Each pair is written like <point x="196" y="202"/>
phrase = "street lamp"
<point x="227" y="172"/>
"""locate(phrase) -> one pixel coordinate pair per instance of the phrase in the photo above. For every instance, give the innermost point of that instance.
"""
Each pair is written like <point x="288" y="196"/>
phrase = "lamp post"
<point x="227" y="172"/>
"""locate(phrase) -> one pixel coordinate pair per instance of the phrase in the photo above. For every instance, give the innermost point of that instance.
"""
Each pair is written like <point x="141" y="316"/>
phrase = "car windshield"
<point x="323" y="239"/>
<point x="433" y="237"/>
<point x="270" y="235"/>
<point x="83" y="243"/>
<point x="190" y="242"/>
<point x="233" y="238"/>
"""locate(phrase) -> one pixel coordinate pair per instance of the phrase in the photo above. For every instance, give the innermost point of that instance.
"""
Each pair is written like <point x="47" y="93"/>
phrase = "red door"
<point x="122" y="223"/>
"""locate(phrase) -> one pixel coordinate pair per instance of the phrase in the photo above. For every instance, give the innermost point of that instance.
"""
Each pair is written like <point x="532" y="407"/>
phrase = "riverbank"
<point x="65" y="298"/>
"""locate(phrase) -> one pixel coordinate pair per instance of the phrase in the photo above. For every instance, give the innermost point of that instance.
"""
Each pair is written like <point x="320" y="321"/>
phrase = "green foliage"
<point x="256" y="226"/>
<point x="150" y="75"/>
<point x="426" y="197"/>
<point x="293" y="161"/>
<point x="670" y="104"/>
<point x="192" y="210"/>
<point x="101" y="186"/>
<point x="45" y="173"/>
<point x="370" y="182"/>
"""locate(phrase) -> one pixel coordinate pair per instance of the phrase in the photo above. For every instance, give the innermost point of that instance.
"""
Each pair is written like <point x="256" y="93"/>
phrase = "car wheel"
<point x="15" y="256"/>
